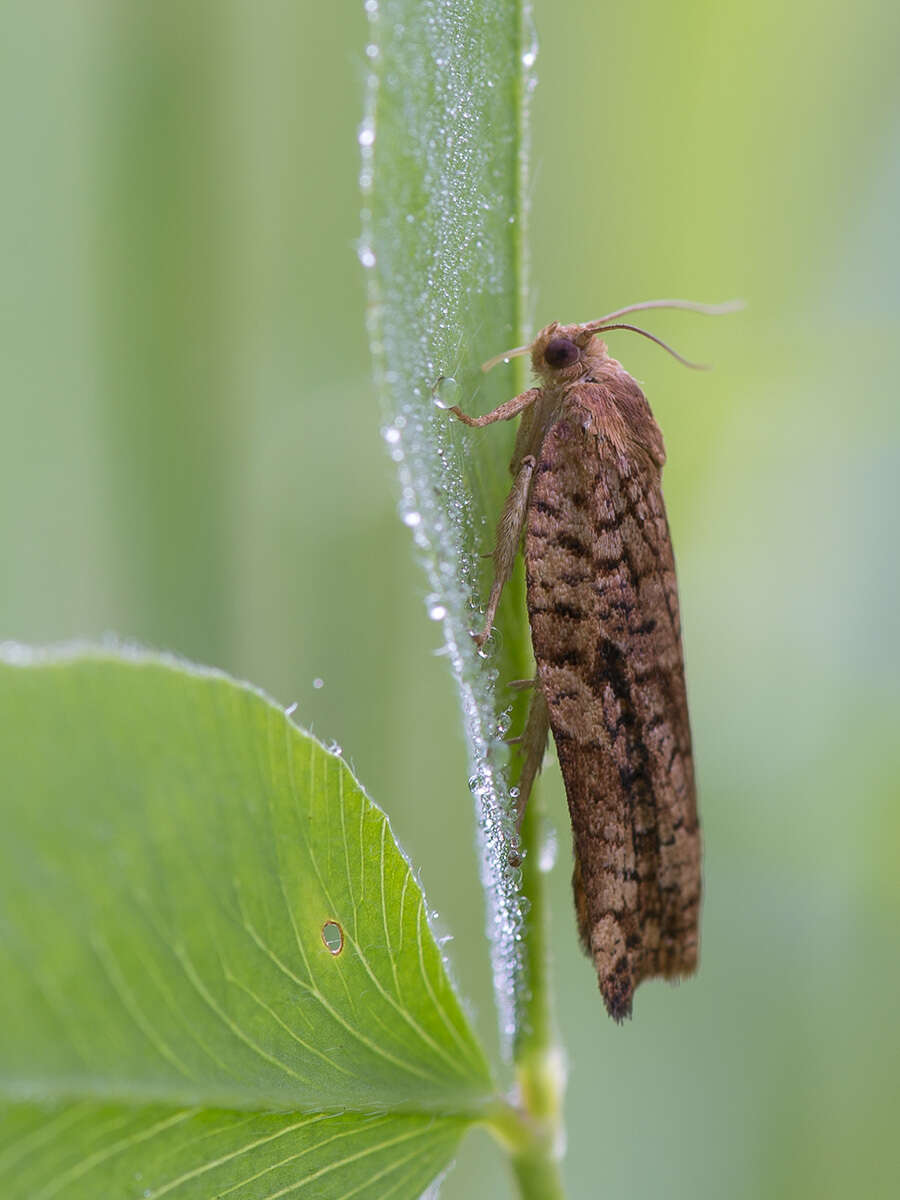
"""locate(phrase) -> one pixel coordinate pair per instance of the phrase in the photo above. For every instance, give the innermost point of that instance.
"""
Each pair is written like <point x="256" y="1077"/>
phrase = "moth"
<point x="603" y="607"/>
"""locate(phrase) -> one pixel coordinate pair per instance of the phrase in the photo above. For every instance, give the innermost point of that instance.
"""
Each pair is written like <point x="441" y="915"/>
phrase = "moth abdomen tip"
<point x="617" y="990"/>
<point x="618" y="1003"/>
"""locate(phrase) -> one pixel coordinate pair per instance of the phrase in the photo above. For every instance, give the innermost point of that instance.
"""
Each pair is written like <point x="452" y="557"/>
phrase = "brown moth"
<point x="603" y="607"/>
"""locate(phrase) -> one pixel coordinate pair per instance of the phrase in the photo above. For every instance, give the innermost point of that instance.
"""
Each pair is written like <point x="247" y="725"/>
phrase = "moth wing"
<point x="603" y="606"/>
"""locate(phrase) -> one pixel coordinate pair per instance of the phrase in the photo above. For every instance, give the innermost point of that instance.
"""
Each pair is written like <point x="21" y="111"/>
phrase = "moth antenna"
<point x="504" y="357"/>
<point x="691" y="305"/>
<point x="653" y="338"/>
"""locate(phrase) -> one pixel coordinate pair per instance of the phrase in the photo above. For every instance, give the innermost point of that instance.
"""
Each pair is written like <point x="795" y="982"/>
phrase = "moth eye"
<point x="560" y="352"/>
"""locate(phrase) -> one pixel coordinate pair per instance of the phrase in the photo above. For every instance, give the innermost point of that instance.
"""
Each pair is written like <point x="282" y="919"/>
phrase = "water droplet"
<point x="479" y="784"/>
<point x="437" y="612"/>
<point x="412" y="519"/>
<point x="371" y="7"/>
<point x="318" y="683"/>
<point x="366" y="136"/>
<point x="371" y="50"/>
<point x="446" y="383"/>
<point x="529" y="58"/>
<point x="291" y="709"/>
<point x="392" y="436"/>
<point x="334" y="748"/>
<point x="367" y="256"/>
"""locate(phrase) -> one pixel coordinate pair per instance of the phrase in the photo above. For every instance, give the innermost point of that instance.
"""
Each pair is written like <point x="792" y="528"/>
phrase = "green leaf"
<point x="83" y="1151"/>
<point x="179" y="863"/>
<point x="443" y="175"/>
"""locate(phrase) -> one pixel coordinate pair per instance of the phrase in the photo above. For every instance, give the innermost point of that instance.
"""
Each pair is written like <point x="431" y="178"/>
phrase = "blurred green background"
<point x="190" y="456"/>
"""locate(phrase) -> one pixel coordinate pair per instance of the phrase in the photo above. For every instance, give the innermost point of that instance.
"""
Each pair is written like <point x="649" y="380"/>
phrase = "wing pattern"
<point x="603" y="606"/>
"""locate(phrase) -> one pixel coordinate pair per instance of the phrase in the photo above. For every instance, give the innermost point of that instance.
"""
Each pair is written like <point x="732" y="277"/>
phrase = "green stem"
<point x="445" y="180"/>
<point x="537" y="1174"/>
<point x="531" y="1146"/>
<point x="537" y="1056"/>
<point x="532" y="1131"/>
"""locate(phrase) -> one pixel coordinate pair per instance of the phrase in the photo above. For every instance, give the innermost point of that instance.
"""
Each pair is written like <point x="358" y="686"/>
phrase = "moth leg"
<point x="504" y="412"/>
<point x="533" y="743"/>
<point x="509" y="534"/>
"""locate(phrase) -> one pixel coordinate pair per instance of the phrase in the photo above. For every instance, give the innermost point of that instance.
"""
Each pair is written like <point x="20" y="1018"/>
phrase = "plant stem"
<point x="445" y="241"/>
<point x="537" y="1174"/>
<point x="537" y="1056"/>
<point x="532" y="1130"/>
<point x="531" y="1146"/>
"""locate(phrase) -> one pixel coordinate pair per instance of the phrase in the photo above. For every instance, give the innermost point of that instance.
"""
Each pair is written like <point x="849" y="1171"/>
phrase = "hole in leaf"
<point x="333" y="937"/>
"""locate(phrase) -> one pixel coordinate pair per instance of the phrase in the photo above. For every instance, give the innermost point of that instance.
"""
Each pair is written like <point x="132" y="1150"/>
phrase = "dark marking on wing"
<point x="603" y="606"/>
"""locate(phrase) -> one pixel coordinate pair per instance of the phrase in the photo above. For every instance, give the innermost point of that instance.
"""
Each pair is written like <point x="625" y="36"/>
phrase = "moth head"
<point x="559" y="352"/>
<point x="563" y="353"/>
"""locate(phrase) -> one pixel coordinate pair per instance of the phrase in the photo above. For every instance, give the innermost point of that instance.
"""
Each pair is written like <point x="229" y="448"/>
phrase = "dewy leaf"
<point x="443" y="177"/>
<point x="209" y="944"/>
